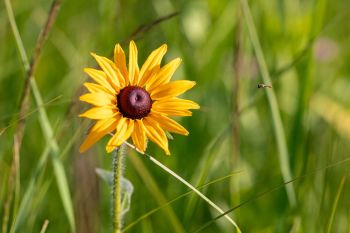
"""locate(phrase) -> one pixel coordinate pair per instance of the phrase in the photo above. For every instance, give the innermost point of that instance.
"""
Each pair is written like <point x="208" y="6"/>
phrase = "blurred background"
<point x="250" y="141"/>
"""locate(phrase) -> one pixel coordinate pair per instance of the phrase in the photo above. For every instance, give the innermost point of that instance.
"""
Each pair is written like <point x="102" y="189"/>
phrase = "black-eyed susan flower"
<point x="133" y="102"/>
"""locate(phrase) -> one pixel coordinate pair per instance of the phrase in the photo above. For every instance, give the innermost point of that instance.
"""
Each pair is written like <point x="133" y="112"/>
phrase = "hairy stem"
<point x="117" y="177"/>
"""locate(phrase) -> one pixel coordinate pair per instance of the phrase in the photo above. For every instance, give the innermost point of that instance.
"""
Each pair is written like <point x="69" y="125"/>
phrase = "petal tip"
<point x="166" y="149"/>
<point x="164" y="47"/>
<point x="109" y="149"/>
<point x="89" y="71"/>
<point x="117" y="48"/>
<point x="132" y="43"/>
<point x="81" y="150"/>
<point x="142" y="151"/>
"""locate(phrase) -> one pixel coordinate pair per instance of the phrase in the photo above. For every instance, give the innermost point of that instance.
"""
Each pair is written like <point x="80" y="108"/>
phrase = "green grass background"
<point x="306" y="48"/>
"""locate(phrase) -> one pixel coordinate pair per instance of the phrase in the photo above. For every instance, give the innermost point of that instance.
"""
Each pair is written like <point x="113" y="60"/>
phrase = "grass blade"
<point x="335" y="204"/>
<point x="175" y="199"/>
<point x="264" y="193"/>
<point x="203" y="169"/>
<point x="46" y="126"/>
<point x="306" y="78"/>
<point x="24" y="207"/>
<point x="271" y="96"/>
<point x="188" y="185"/>
<point x="157" y="193"/>
<point x="45" y="225"/>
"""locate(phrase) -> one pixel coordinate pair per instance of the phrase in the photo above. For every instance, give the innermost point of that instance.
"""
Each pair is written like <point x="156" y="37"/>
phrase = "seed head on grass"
<point x="133" y="102"/>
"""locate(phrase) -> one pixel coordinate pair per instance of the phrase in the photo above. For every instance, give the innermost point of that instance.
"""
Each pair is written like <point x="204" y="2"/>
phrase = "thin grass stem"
<point x="262" y="194"/>
<point x="271" y="96"/>
<point x="168" y="170"/>
<point x="156" y="191"/>
<point x="44" y="227"/>
<point x="128" y="227"/>
<point x="59" y="171"/>
<point x="335" y="204"/>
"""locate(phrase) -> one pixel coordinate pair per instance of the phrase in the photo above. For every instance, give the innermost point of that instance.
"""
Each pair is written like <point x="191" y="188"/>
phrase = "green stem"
<point x="335" y="204"/>
<point x="272" y="99"/>
<point x="117" y="196"/>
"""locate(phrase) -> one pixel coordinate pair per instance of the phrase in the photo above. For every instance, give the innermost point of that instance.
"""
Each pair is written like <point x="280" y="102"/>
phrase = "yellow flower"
<point x="133" y="102"/>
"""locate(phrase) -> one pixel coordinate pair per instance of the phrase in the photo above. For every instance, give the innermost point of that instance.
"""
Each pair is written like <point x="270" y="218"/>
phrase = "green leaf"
<point x="126" y="187"/>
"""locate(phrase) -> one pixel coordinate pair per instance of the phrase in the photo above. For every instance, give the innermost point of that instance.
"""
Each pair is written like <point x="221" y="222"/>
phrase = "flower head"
<point x="133" y="102"/>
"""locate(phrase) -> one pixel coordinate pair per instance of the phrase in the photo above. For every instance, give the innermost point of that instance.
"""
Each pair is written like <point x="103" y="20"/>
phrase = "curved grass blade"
<point x="152" y="186"/>
<point x="203" y="169"/>
<point x="149" y="213"/>
<point x="314" y="172"/>
<point x="188" y="185"/>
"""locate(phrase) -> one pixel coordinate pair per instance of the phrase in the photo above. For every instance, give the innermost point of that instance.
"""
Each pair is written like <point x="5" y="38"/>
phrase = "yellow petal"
<point x="130" y="129"/>
<point x="120" y="62"/>
<point x="120" y="130"/>
<point x="114" y="76"/>
<point x="125" y="128"/>
<point x="100" y="129"/>
<point x="164" y="75"/>
<point x="175" y="104"/>
<point x="172" y="112"/>
<point x="156" y="134"/>
<point x="95" y="88"/>
<point x="101" y="78"/>
<point x="99" y="113"/>
<point x="139" y="136"/>
<point x="98" y="99"/>
<point x="152" y="64"/>
<point x="172" y="89"/>
<point x="133" y="65"/>
<point x="168" y="124"/>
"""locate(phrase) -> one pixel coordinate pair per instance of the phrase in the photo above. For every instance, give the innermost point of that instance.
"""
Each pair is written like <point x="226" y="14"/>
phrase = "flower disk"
<point x="135" y="103"/>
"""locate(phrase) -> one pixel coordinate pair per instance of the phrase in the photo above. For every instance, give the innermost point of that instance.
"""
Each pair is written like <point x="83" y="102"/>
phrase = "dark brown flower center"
<point x="134" y="102"/>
